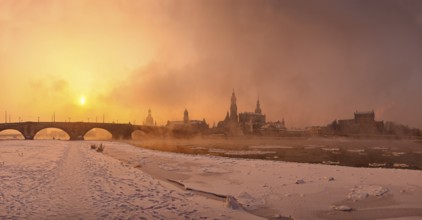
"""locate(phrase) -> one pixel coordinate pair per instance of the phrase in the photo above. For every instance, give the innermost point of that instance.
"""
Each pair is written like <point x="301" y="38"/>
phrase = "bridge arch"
<point x="77" y="130"/>
<point x="138" y="134"/>
<point x="54" y="133"/>
<point x="11" y="133"/>
<point x="98" y="133"/>
<point x="142" y="132"/>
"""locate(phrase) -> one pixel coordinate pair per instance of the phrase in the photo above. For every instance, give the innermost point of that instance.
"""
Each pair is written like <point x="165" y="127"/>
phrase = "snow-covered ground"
<point x="63" y="179"/>
<point x="68" y="180"/>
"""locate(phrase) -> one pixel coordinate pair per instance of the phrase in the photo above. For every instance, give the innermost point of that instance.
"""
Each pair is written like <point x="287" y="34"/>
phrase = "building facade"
<point x="187" y="127"/>
<point x="364" y="123"/>
<point x="243" y="123"/>
<point x="251" y="122"/>
<point x="273" y="128"/>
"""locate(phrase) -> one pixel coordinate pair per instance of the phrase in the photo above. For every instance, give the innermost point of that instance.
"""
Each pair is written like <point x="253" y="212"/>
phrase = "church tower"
<point x="258" y="108"/>
<point x="186" y="116"/>
<point x="149" y="120"/>
<point x="233" y="108"/>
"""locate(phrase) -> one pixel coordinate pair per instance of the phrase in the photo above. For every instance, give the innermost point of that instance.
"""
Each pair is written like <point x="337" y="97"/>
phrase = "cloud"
<point x="309" y="62"/>
<point x="60" y="85"/>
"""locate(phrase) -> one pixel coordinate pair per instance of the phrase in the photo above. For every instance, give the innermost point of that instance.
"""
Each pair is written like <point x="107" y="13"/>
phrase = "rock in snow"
<point x="329" y="178"/>
<point x="232" y="203"/>
<point x="364" y="191"/>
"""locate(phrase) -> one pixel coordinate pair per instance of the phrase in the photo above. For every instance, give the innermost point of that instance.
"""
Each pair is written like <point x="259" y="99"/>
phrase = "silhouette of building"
<point x="252" y="121"/>
<point x="230" y="124"/>
<point x="186" y="116"/>
<point x="149" y="120"/>
<point x="242" y="123"/>
<point x="233" y="108"/>
<point x="187" y="127"/>
<point x="363" y="124"/>
<point x="273" y="128"/>
<point x="399" y="130"/>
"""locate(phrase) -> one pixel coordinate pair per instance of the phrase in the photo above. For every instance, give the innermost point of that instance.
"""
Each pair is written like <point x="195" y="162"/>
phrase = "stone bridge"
<point x="77" y="130"/>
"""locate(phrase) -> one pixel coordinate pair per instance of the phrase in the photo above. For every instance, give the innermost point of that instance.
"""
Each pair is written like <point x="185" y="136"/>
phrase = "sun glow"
<point x="82" y="100"/>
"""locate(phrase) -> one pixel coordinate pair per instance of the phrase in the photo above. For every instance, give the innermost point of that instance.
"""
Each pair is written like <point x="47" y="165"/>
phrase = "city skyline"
<point x="151" y="121"/>
<point x="210" y="109"/>
<point x="308" y="62"/>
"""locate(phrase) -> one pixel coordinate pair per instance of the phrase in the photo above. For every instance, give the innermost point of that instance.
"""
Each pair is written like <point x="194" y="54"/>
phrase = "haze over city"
<point x="211" y="109"/>
<point x="309" y="62"/>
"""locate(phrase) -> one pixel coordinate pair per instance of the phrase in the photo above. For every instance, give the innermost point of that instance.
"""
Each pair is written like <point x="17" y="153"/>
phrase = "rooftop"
<point x="364" y="113"/>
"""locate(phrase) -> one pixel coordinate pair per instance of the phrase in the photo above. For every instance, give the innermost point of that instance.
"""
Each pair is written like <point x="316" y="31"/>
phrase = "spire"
<point x="227" y="116"/>
<point x="233" y="108"/>
<point x="233" y="99"/>
<point x="258" y="107"/>
<point x="186" y="116"/>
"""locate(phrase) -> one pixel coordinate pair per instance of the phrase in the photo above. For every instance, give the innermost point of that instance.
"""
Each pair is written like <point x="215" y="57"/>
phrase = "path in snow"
<point x="67" y="180"/>
<point x="70" y="188"/>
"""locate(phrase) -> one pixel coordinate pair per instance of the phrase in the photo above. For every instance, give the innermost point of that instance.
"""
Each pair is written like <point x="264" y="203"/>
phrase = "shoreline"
<point x="261" y="190"/>
<point x="399" y="154"/>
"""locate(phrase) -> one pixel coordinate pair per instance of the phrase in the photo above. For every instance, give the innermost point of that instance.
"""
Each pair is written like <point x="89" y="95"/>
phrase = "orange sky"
<point x="309" y="63"/>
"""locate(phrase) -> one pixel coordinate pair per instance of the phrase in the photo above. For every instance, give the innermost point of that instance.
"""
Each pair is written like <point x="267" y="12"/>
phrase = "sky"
<point x="309" y="62"/>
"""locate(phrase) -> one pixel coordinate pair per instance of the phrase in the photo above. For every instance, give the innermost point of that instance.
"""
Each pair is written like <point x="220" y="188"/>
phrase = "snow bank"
<point x="267" y="188"/>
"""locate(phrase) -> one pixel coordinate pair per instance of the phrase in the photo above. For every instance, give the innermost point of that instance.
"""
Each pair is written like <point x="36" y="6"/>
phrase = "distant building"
<point x="363" y="124"/>
<point x="399" y="131"/>
<point x="252" y="121"/>
<point x="244" y="123"/>
<point x="187" y="127"/>
<point x="149" y="120"/>
<point x="273" y="128"/>
<point x="186" y="117"/>
<point x="230" y="124"/>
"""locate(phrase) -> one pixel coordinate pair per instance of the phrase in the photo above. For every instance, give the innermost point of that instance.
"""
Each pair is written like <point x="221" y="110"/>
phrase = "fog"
<point x="308" y="62"/>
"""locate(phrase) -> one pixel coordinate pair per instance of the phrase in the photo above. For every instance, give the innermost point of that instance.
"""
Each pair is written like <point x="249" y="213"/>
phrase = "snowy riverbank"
<point x="61" y="179"/>
<point x="67" y="180"/>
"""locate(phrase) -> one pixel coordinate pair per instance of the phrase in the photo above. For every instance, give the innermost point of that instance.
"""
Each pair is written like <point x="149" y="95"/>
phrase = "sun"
<point x="82" y="100"/>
